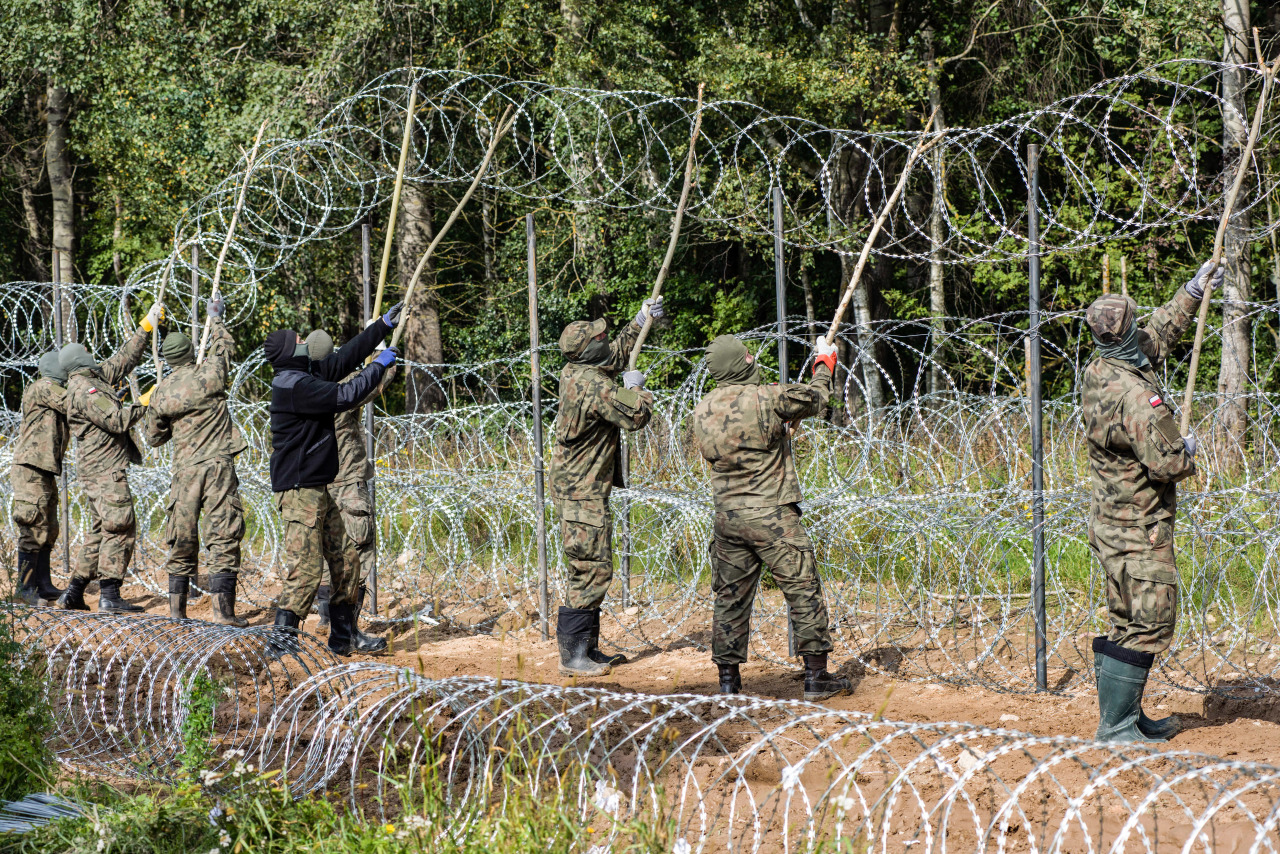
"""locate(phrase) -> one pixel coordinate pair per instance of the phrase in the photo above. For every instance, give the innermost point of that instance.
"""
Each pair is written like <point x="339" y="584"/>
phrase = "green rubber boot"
<point x="1120" y="685"/>
<point x="1154" y="729"/>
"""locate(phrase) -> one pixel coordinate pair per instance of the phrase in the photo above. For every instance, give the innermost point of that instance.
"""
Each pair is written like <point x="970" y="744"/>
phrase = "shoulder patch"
<point x="93" y="389"/>
<point x="1155" y="400"/>
<point x="628" y="398"/>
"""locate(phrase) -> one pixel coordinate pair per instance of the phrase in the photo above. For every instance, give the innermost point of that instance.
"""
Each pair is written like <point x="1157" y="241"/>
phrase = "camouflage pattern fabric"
<point x="210" y="486"/>
<point x="102" y="424"/>
<point x="355" y="503"/>
<point x="353" y="456"/>
<point x="44" y="436"/>
<point x="594" y="410"/>
<point x="1142" y="582"/>
<point x="741" y="430"/>
<point x="189" y="406"/>
<point x="112" y="531"/>
<point x="587" y="530"/>
<point x="35" y="507"/>
<point x="313" y="538"/>
<point x="745" y="540"/>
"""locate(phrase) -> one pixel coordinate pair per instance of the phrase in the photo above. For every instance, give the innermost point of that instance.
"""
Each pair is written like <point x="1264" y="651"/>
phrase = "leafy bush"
<point x="26" y="762"/>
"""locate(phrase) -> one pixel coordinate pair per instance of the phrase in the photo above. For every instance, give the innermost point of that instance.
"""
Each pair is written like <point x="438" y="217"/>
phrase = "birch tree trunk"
<point x="58" y="163"/>
<point x="1233" y="376"/>
<point x="422" y="339"/>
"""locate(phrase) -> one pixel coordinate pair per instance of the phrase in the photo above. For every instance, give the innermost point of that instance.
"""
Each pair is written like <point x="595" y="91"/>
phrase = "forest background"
<point x="117" y="114"/>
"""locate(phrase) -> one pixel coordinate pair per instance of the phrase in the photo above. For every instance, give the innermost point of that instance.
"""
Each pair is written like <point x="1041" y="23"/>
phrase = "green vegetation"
<point x="26" y="763"/>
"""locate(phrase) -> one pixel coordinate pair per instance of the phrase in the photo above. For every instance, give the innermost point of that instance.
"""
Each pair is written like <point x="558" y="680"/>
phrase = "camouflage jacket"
<point x="102" y="424"/>
<point x="1136" y="453"/>
<point x="44" y="435"/>
<point x="354" y="465"/>
<point x="594" y="410"/>
<point x="189" y="406"/>
<point x="741" y="430"/>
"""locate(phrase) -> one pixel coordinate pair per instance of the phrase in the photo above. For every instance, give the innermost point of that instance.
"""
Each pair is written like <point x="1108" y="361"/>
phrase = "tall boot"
<point x="594" y="652"/>
<point x="730" y="679"/>
<point x="1122" y="676"/>
<point x="179" y="588"/>
<point x="222" y="587"/>
<point x="28" y="574"/>
<point x="284" y="639"/>
<point x="109" y="598"/>
<point x="361" y="637"/>
<point x="342" y="633"/>
<point x="818" y="683"/>
<point x="322" y="604"/>
<point x="44" y="576"/>
<point x="72" y="599"/>
<point x="573" y="634"/>
<point x="1161" y="729"/>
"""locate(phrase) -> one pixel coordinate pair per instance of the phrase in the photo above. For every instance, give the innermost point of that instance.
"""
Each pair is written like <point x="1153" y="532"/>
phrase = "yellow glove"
<point x="145" y="398"/>
<point x="154" y="318"/>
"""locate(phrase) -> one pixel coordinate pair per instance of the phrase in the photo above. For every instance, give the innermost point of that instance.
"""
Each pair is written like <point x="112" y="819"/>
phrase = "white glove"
<point x="215" y="307"/>
<point x="1206" y="275"/>
<point x="154" y="318"/>
<point x="824" y="354"/>
<point x="632" y="379"/>
<point x="650" y="308"/>
<point x="825" y="349"/>
<point x="1189" y="442"/>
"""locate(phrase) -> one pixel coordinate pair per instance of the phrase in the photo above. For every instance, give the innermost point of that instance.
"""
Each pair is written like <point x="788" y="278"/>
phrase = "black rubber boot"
<point x="44" y="577"/>
<point x="322" y="604"/>
<point x="179" y="589"/>
<point x="28" y="575"/>
<point x="342" y="633"/>
<point x="594" y="652"/>
<point x="819" y="684"/>
<point x="362" y="639"/>
<point x="109" y="598"/>
<point x="72" y="599"/>
<point x="730" y="679"/>
<point x="1122" y="676"/>
<point x="573" y="634"/>
<point x="222" y="587"/>
<point x="285" y="639"/>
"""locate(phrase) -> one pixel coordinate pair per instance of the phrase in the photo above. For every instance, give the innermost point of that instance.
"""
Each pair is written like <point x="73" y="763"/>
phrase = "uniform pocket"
<point x="115" y="505"/>
<point x="1153" y="571"/>
<point x="583" y="513"/>
<point x="25" y="513"/>
<point x="235" y="518"/>
<point x="295" y="508"/>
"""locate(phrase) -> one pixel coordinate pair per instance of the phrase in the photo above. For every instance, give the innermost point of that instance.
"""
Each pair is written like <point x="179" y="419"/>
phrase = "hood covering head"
<point x="74" y="357"/>
<point x="578" y="342"/>
<point x="51" y="367"/>
<point x="1113" y="320"/>
<point x="731" y="363"/>
<point x="319" y="345"/>
<point x="285" y="352"/>
<point x="177" y="350"/>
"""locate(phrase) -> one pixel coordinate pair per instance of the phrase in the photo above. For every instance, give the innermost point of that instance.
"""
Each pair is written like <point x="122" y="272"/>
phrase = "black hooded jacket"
<point x="304" y="399"/>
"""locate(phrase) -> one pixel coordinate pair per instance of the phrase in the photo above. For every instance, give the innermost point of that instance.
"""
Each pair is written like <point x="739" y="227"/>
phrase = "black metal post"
<point x="1037" y="415"/>
<point x="195" y="295"/>
<point x="539" y="497"/>
<point x="59" y="333"/>
<point x="780" y="297"/>
<point x="365" y="261"/>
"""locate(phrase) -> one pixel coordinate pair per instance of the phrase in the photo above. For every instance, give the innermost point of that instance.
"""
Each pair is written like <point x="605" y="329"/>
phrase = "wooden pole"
<point x="1124" y="278"/>
<point x="504" y="124"/>
<point x="395" y="192"/>
<point x="164" y="286"/>
<point x="921" y="147"/>
<point x="1268" y="78"/>
<point x="665" y="269"/>
<point x="368" y="422"/>
<point x="1106" y="273"/>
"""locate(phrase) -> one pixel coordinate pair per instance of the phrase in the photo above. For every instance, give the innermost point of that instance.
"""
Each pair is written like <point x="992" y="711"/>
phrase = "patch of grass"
<point x="26" y="763"/>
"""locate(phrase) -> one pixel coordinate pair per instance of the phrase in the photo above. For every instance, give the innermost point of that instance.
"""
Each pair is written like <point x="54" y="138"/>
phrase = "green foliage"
<point x="201" y="701"/>
<point x="26" y="763"/>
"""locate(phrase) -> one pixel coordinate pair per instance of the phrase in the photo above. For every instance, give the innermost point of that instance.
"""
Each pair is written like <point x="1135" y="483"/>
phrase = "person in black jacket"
<point x="305" y="395"/>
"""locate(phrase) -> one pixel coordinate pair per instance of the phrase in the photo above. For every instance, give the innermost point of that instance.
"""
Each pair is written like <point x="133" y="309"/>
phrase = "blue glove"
<point x="387" y="357"/>
<point x="392" y="317"/>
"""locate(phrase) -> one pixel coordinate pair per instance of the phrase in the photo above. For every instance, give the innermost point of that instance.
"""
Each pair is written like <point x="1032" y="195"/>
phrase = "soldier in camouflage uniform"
<point x="103" y="428"/>
<point x="742" y="430"/>
<point x="1136" y="457"/>
<point x="352" y="489"/>
<point x="37" y="463"/>
<point x="189" y="407"/>
<point x="585" y="468"/>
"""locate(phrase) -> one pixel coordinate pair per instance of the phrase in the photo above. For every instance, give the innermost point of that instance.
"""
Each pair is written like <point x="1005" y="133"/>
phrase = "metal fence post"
<point x="1037" y="416"/>
<point x="64" y="501"/>
<point x="780" y="297"/>
<point x="365" y="263"/>
<point x="539" y="498"/>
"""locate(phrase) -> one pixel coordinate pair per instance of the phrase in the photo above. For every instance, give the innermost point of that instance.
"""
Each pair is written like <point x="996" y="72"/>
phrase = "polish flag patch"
<point x="1154" y="400"/>
<point x="93" y="389"/>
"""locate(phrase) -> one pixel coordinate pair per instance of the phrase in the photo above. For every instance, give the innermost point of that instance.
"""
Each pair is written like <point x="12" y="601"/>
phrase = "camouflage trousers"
<point x="313" y="537"/>
<point x="587" y="530"/>
<point x="212" y="488"/>
<point x="35" y="507"/>
<point x="113" y="530"/>
<point x="355" y="503"/>
<point x="1142" y="582"/>
<point x="744" y="541"/>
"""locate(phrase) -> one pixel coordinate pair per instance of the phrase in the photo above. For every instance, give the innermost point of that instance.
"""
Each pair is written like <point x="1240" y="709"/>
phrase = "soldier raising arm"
<point x="103" y="427"/>
<point x="1136" y="458"/>
<point x="189" y="407"/>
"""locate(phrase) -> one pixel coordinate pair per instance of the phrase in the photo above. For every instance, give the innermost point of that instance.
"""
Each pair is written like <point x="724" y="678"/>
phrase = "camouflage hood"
<point x="731" y="363"/>
<point x="51" y="368"/>
<point x="1113" y="320"/>
<point x="319" y="345"/>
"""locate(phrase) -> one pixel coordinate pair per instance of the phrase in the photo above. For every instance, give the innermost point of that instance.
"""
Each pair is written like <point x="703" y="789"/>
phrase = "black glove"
<point x="392" y="317"/>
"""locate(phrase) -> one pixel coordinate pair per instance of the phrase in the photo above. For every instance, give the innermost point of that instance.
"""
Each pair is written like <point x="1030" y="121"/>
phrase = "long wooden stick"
<point x="1268" y="78"/>
<point x="164" y="285"/>
<point x="921" y="147"/>
<point x="505" y="124"/>
<point x="665" y="269"/>
<point x="231" y="230"/>
<point x="395" y="193"/>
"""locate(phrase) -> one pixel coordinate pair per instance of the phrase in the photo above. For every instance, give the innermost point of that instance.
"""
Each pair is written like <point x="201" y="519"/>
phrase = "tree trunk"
<point x="811" y="328"/>
<point x="937" y="295"/>
<point x="422" y="339"/>
<point x="488" y="239"/>
<point x="1233" y="376"/>
<point x="58" y="162"/>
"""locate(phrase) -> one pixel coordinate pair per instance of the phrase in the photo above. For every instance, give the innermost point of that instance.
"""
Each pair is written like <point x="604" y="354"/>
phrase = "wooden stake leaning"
<point x="1268" y="78"/>
<point x="395" y="195"/>
<point x="665" y="269"/>
<point x="921" y="147"/>
<point x="231" y="230"/>
<point x="505" y="124"/>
